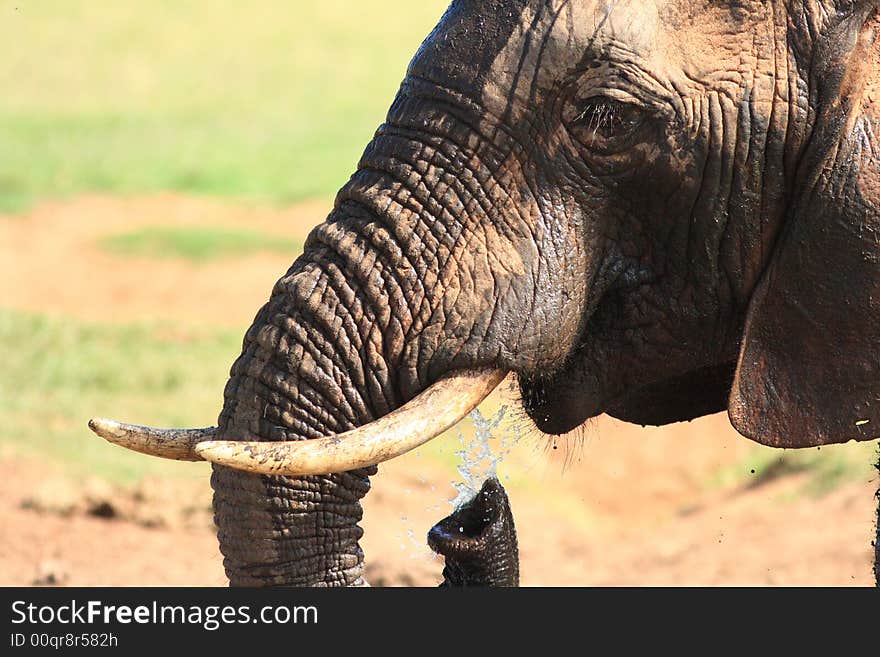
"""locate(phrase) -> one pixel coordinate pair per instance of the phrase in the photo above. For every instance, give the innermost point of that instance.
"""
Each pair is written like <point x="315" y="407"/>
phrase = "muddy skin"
<point x="478" y="541"/>
<point x="657" y="209"/>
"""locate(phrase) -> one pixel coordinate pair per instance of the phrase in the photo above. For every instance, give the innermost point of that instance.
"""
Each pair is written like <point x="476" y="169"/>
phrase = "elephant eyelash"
<point x="603" y="119"/>
<point x="598" y="117"/>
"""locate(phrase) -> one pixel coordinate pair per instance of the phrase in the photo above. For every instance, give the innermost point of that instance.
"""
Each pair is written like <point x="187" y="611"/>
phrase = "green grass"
<point x="59" y="373"/>
<point x="827" y="467"/>
<point x="269" y="100"/>
<point x="196" y="244"/>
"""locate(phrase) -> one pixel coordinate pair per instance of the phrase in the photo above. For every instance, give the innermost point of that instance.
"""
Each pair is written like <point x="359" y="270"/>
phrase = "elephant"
<point x="654" y="209"/>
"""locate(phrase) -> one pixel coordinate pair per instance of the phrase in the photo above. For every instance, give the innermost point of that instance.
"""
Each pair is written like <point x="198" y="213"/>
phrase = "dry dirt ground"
<point x="621" y="506"/>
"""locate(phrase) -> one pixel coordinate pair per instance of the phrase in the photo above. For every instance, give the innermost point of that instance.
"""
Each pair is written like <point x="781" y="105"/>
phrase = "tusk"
<point x="177" y="444"/>
<point x="425" y="417"/>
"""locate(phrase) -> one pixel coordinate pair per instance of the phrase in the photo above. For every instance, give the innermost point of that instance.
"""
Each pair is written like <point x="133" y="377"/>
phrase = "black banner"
<point x="126" y="619"/>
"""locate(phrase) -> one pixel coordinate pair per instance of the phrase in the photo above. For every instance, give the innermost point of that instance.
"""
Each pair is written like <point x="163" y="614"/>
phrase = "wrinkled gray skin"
<point x="657" y="209"/>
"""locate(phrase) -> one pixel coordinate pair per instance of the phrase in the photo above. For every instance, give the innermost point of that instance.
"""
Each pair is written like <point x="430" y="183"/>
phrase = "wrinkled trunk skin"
<point x="478" y="541"/>
<point x="388" y="296"/>
<point x="282" y="531"/>
<point x="314" y="363"/>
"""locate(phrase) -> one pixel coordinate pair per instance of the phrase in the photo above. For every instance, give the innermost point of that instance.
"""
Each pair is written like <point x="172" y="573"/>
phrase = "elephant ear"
<point x="809" y="366"/>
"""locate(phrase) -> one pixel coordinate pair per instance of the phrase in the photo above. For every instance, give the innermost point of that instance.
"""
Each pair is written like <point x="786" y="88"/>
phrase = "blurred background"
<point x="161" y="164"/>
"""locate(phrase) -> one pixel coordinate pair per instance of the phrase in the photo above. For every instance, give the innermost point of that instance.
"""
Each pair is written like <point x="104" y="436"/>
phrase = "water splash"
<point x="478" y="461"/>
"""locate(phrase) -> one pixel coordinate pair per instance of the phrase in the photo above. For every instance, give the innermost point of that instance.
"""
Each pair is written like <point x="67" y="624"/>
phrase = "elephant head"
<point x="657" y="209"/>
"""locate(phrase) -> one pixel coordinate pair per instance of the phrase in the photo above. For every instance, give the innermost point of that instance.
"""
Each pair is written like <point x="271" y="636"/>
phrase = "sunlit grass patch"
<point x="267" y="100"/>
<point x="197" y="244"/>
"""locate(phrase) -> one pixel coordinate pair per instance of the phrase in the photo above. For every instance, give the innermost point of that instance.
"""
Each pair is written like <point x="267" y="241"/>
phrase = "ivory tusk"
<point x="424" y="417"/>
<point x="176" y="444"/>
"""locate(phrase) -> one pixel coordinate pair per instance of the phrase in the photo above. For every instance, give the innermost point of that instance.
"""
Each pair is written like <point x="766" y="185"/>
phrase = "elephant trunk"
<point x="387" y="299"/>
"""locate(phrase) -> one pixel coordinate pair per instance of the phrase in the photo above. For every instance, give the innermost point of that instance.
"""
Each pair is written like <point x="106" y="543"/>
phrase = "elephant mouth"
<point x="426" y="416"/>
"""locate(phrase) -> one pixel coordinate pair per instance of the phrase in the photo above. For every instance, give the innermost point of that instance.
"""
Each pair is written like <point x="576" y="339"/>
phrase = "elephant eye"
<point x="601" y="122"/>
